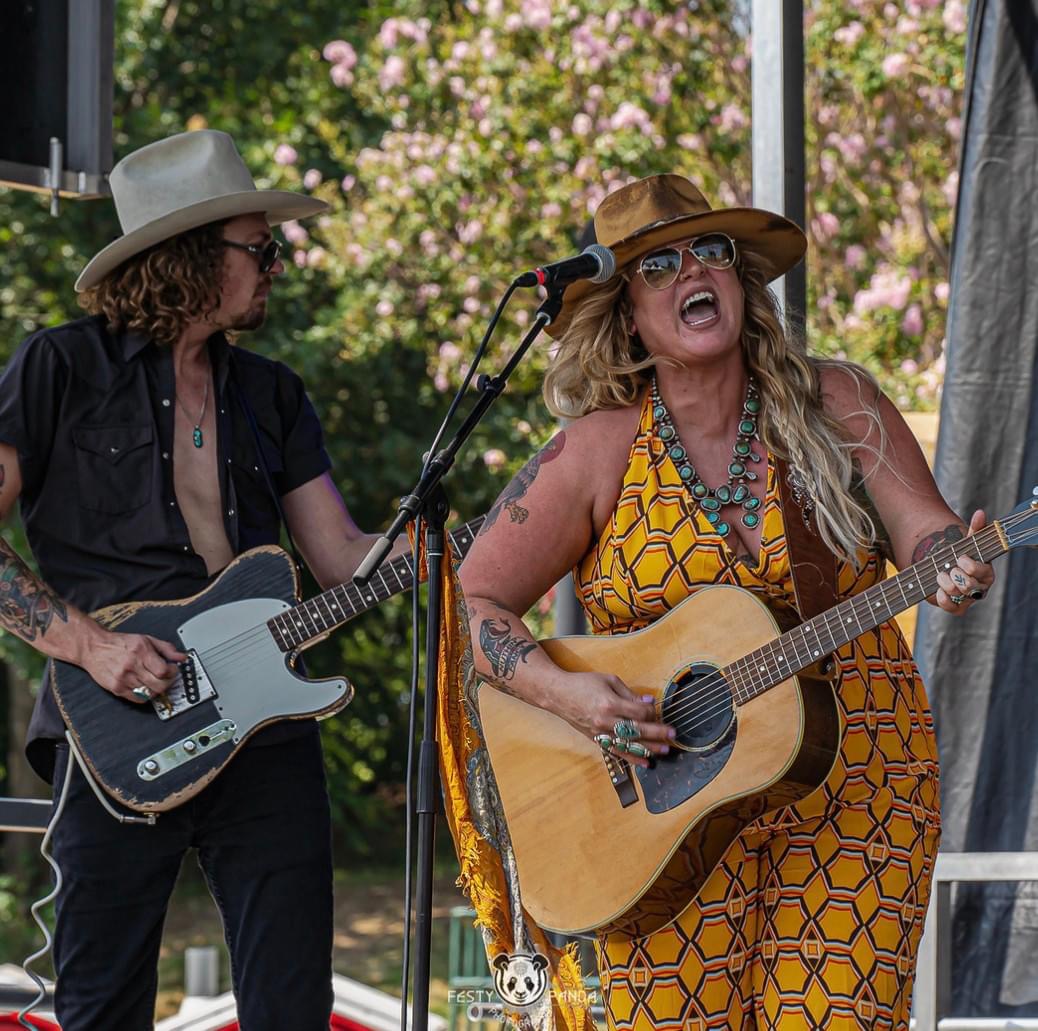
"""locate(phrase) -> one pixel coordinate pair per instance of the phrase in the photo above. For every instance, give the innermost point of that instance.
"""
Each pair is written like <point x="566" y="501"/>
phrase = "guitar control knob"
<point x="189" y="747"/>
<point x="151" y="766"/>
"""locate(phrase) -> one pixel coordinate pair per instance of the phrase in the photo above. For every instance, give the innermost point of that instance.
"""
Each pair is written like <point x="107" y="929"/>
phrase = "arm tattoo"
<point x="522" y="482"/>
<point x="502" y="648"/>
<point x="949" y="535"/>
<point x="27" y="607"/>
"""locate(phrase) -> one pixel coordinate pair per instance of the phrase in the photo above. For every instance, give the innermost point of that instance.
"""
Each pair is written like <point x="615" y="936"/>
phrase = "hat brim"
<point x="278" y="205"/>
<point x="775" y="239"/>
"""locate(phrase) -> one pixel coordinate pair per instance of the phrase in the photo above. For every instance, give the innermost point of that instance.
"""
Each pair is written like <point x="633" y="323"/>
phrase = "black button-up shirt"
<point x="91" y="415"/>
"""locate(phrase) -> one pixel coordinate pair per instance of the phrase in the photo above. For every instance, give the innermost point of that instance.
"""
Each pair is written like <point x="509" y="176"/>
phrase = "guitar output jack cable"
<point x="75" y="759"/>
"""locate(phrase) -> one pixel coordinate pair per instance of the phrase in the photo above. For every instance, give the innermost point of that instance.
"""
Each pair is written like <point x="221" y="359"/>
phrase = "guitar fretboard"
<point x="806" y="644"/>
<point x="297" y="627"/>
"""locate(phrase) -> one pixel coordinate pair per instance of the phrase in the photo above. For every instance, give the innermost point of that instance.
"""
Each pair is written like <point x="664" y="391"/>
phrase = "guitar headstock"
<point x="1021" y="525"/>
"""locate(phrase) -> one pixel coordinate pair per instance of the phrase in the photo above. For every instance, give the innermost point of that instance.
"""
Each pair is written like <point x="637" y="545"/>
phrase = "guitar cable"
<point x="75" y="759"/>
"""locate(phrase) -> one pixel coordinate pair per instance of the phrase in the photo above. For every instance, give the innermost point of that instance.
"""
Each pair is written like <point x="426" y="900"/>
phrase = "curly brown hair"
<point x="161" y="290"/>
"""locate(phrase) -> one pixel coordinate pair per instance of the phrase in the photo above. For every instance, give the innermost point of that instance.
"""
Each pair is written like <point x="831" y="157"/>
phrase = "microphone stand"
<point x="429" y="501"/>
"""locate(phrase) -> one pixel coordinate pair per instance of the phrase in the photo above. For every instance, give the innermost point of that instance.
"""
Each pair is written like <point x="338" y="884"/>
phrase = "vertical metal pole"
<point x="778" y="129"/>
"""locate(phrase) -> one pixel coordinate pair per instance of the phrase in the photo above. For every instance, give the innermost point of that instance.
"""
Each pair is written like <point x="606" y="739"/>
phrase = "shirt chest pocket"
<point x="114" y="467"/>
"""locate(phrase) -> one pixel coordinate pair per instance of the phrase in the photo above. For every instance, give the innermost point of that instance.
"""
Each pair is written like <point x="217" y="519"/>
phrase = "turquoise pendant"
<point x="196" y="437"/>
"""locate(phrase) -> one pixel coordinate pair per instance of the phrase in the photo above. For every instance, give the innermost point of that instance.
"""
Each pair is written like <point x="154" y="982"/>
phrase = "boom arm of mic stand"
<point x="490" y="387"/>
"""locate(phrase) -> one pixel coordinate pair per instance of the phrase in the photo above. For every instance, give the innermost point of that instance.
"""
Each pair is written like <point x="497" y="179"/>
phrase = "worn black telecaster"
<point x="242" y="634"/>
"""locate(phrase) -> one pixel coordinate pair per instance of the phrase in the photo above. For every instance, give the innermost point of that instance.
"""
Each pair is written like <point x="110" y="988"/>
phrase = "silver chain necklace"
<point x="196" y="434"/>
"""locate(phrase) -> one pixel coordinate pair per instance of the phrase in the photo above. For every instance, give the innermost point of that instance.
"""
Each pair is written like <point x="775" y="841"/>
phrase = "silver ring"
<point x="145" y="694"/>
<point x="956" y="599"/>
<point x="625" y="729"/>
<point x="604" y="741"/>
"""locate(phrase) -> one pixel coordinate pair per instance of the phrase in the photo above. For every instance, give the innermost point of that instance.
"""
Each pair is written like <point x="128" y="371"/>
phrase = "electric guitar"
<point x="605" y="846"/>
<point x="242" y="636"/>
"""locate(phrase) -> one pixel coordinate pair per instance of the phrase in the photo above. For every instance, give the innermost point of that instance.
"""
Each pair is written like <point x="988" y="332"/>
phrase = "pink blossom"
<point x="954" y="16"/>
<point x="394" y="247"/>
<point x="470" y="232"/>
<point x="887" y="289"/>
<point x="954" y="127"/>
<point x="513" y="23"/>
<point x="392" y="73"/>
<point x="316" y="256"/>
<point x="909" y="367"/>
<point x="299" y="258"/>
<point x="450" y="352"/>
<point x="312" y="179"/>
<point x="285" y="154"/>
<point x="895" y="65"/>
<point x="630" y="116"/>
<point x="551" y="211"/>
<point x="441" y="382"/>
<point x="556" y="135"/>
<point x="740" y="64"/>
<point x="338" y="51"/>
<point x="471" y="304"/>
<point x="384" y="308"/>
<point x="582" y="124"/>
<point x="731" y="119"/>
<point x="429" y="292"/>
<point x="293" y="232"/>
<point x="950" y="188"/>
<point x="825" y="226"/>
<point x="848" y="35"/>
<point x="942" y="291"/>
<point x="348" y="182"/>
<point x="424" y="175"/>
<point x="341" y="76"/>
<point x="855" y="255"/>
<point x="912" y="324"/>
<point x="538" y="13"/>
<point x="494" y="458"/>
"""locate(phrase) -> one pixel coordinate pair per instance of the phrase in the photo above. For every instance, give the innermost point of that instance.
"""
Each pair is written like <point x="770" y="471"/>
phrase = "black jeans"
<point x="263" y="834"/>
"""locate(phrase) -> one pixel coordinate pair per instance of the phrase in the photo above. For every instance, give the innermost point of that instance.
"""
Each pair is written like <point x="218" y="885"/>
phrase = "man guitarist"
<point x="146" y="452"/>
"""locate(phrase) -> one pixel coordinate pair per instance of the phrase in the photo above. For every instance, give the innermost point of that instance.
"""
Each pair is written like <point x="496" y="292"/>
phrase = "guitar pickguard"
<point x="698" y="704"/>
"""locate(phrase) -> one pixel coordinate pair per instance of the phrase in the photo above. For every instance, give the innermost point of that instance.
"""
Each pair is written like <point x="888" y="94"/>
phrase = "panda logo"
<point x="520" y="979"/>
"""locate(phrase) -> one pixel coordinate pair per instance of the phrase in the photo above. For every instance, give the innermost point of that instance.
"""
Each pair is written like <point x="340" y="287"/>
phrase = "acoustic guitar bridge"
<point x="622" y="781"/>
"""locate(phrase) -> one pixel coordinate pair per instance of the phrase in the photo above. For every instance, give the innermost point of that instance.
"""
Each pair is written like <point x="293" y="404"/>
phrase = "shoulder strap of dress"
<point x="813" y="565"/>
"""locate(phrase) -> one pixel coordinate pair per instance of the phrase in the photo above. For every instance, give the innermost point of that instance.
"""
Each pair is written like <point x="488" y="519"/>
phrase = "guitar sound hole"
<point x="698" y="704"/>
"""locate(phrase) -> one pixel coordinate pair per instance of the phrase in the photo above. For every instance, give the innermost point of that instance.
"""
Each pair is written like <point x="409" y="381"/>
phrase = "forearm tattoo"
<point x="503" y="648"/>
<point x="27" y="607"/>
<point x="949" y="535"/>
<point x="522" y="482"/>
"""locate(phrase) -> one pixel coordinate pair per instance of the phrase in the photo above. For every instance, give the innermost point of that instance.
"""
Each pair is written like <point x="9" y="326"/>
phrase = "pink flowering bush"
<point x="504" y="126"/>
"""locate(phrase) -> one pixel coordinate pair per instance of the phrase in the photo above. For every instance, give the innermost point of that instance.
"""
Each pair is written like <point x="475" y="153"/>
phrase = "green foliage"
<point x="459" y="143"/>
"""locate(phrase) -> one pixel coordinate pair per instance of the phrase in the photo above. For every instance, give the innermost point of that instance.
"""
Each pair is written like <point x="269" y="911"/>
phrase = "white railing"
<point x="932" y="996"/>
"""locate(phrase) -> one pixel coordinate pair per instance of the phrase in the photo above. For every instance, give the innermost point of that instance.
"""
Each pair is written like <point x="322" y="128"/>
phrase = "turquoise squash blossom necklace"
<point x="735" y="491"/>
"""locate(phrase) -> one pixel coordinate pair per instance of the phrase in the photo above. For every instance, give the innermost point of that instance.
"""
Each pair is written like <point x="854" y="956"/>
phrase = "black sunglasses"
<point x="661" y="268"/>
<point x="267" y="255"/>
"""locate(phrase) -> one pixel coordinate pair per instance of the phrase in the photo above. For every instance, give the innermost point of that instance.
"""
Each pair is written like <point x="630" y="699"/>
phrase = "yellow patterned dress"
<point x="813" y="917"/>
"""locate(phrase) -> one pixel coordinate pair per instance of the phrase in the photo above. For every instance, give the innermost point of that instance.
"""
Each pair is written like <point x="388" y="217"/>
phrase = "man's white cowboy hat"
<point x="181" y="183"/>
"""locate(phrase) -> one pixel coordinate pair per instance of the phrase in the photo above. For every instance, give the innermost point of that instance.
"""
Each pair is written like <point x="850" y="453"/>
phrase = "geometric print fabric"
<point x="813" y="917"/>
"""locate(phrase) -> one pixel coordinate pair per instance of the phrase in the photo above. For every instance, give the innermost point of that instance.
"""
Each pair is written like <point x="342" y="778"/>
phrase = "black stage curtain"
<point x="982" y="671"/>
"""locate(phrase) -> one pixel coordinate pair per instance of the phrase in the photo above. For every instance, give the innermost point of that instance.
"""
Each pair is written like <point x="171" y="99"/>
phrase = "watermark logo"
<point x="521" y="978"/>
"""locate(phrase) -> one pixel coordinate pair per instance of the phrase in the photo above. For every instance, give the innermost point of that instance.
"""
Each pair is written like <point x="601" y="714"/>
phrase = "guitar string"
<point x="228" y="652"/>
<point x="723" y="696"/>
<point x="713" y="692"/>
<point x="703" y="690"/>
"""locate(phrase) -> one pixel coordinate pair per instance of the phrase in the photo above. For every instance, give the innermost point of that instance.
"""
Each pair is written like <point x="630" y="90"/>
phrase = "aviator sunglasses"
<point x="267" y="254"/>
<point x="661" y="268"/>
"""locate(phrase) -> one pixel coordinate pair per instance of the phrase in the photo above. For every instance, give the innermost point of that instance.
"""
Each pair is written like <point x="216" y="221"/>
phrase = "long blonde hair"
<point x="599" y="365"/>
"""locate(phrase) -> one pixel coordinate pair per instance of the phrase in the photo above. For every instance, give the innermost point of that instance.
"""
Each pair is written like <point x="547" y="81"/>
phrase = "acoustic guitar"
<point x="242" y="635"/>
<point x="605" y="846"/>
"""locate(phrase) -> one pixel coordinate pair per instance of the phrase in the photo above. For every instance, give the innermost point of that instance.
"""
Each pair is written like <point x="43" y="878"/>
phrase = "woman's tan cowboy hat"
<point x="181" y="183"/>
<point x="662" y="209"/>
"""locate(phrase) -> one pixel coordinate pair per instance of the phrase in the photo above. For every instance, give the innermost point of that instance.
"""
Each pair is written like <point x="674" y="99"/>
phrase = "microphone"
<point x="596" y="262"/>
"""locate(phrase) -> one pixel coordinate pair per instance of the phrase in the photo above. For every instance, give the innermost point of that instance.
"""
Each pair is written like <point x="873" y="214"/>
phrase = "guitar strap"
<point x="250" y="418"/>
<point x="813" y="564"/>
